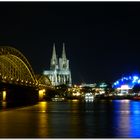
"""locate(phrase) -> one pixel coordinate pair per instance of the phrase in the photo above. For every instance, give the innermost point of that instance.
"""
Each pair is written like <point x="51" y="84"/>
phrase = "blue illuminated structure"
<point x="131" y="81"/>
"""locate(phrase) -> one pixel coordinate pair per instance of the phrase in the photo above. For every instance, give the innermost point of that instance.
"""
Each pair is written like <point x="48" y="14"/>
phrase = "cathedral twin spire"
<point x="59" y="72"/>
<point x="54" y="60"/>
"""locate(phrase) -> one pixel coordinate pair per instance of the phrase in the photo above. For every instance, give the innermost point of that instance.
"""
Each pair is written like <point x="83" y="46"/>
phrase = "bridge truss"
<point x="15" y="68"/>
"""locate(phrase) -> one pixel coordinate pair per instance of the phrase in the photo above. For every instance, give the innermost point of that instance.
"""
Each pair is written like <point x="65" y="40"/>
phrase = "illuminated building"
<point x="125" y="84"/>
<point x="59" y="72"/>
<point x="129" y="80"/>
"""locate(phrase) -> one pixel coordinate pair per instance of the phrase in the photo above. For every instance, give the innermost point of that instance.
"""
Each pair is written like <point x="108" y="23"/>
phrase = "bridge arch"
<point x="43" y="80"/>
<point x="14" y="67"/>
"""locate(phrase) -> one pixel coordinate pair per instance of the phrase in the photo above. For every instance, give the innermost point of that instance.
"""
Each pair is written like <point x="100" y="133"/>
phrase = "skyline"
<point x="101" y="38"/>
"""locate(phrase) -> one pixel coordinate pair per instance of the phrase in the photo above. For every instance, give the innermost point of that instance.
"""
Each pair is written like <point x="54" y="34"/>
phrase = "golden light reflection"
<point x="4" y="104"/>
<point x="41" y="94"/>
<point x="43" y="120"/>
<point x="4" y="95"/>
<point x="75" y="100"/>
<point x="43" y="106"/>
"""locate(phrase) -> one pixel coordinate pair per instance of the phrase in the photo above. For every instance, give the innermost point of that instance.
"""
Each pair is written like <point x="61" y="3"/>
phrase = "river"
<point x="72" y="119"/>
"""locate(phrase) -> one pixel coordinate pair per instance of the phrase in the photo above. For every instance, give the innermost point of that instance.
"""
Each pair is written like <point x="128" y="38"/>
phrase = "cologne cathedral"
<point x="59" y="72"/>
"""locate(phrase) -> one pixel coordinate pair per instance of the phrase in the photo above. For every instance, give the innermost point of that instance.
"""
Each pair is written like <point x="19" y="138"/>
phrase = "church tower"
<point x="59" y="74"/>
<point x="63" y="62"/>
<point x="64" y="52"/>
<point x="65" y="74"/>
<point x="54" y="61"/>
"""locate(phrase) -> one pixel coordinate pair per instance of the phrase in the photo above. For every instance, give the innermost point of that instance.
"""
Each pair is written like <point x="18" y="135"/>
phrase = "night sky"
<point x="102" y="39"/>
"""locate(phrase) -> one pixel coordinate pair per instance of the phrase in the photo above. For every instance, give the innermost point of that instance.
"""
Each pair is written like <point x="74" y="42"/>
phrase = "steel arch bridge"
<point x="15" y="68"/>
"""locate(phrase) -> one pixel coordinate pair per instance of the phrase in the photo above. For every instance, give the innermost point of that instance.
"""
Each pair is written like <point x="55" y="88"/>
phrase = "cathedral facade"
<point x="59" y="72"/>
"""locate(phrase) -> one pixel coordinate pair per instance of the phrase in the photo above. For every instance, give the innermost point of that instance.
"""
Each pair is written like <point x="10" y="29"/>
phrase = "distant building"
<point x="127" y="81"/>
<point x="59" y="72"/>
<point x="127" y="84"/>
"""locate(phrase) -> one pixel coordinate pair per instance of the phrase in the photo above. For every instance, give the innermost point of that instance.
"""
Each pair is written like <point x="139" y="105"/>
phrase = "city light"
<point x="103" y="85"/>
<point x="125" y="87"/>
<point x="4" y="95"/>
<point x="89" y="97"/>
<point x="129" y="80"/>
<point x="41" y="93"/>
<point x="76" y="94"/>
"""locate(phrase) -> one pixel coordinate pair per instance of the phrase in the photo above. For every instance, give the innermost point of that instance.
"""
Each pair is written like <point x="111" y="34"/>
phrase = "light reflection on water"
<point x="127" y="118"/>
<point x="73" y="119"/>
<point x="135" y="119"/>
<point x="4" y="105"/>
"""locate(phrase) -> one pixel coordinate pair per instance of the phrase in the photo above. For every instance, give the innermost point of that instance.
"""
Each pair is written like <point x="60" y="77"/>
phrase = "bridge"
<point x="16" y="71"/>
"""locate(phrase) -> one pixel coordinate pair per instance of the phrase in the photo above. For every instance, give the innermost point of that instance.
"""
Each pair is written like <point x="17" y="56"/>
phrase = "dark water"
<point x="73" y="119"/>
